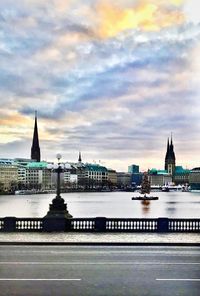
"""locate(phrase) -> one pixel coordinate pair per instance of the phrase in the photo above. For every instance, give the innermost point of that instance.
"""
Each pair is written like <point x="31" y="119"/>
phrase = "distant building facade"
<point x="194" y="179"/>
<point x="136" y="179"/>
<point x="181" y="175"/>
<point x="133" y="169"/>
<point x="112" y="178"/>
<point x="38" y="175"/>
<point x="8" y="175"/>
<point x="123" y="179"/>
<point x="159" y="177"/>
<point x="95" y="175"/>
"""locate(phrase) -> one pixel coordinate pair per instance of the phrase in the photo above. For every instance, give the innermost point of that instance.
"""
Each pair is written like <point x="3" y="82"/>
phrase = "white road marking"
<point x="10" y="279"/>
<point x="183" y="280"/>
<point x="98" y="263"/>
<point x="98" y="247"/>
<point x="106" y="253"/>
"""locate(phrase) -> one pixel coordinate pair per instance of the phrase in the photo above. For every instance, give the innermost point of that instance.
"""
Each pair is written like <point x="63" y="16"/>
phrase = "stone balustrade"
<point x="98" y="224"/>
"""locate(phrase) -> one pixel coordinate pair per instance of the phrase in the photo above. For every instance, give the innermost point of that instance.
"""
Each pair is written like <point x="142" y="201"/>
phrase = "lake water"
<point x="105" y="204"/>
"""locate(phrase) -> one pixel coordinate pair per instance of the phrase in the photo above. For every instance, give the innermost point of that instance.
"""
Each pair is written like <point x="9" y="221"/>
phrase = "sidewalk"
<point x="169" y="238"/>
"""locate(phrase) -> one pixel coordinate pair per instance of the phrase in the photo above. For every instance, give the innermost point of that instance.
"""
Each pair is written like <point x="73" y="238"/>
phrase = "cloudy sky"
<point x="109" y="78"/>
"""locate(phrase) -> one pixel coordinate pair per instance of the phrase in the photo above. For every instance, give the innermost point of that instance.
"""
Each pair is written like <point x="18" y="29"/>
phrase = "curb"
<point x="96" y="244"/>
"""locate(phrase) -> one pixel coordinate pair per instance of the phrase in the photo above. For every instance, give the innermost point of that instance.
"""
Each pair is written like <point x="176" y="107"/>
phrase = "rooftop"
<point x="180" y="169"/>
<point x="95" y="167"/>
<point x="33" y="165"/>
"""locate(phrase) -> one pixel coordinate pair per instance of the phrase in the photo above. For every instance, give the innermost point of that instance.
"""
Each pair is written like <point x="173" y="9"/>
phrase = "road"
<point x="99" y="270"/>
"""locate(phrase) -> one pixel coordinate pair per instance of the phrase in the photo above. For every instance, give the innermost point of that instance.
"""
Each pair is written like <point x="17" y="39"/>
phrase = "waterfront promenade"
<point x="99" y="238"/>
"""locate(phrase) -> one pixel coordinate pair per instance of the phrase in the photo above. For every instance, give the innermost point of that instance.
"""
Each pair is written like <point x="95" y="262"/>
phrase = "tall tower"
<point x="35" y="149"/>
<point x="170" y="159"/>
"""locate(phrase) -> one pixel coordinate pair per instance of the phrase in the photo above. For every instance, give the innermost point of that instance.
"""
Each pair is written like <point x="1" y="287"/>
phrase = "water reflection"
<point x="145" y="206"/>
<point x="170" y="210"/>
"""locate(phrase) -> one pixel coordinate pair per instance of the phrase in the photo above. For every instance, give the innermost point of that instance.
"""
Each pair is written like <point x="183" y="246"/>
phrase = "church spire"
<point x="167" y="154"/>
<point x="35" y="149"/>
<point x="79" y="157"/>
<point x="171" y="144"/>
<point x="171" y="150"/>
<point x="170" y="159"/>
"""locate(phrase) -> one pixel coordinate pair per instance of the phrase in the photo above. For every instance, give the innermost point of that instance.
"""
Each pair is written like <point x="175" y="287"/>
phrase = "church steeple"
<point x="170" y="159"/>
<point x="79" y="157"/>
<point x="171" y="150"/>
<point x="35" y="149"/>
<point x="167" y="154"/>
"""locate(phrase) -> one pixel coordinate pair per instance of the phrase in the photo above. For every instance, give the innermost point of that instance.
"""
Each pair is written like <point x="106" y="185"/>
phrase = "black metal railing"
<point x="136" y="225"/>
<point x="98" y="224"/>
<point x="184" y="225"/>
<point x="33" y="224"/>
<point x="1" y="224"/>
<point x="82" y="224"/>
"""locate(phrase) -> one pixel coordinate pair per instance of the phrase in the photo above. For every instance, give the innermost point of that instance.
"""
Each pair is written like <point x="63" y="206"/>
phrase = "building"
<point x="21" y="171"/>
<point x="124" y="180"/>
<point x="194" y="179"/>
<point x="21" y="176"/>
<point x="112" y="178"/>
<point x="96" y="176"/>
<point x="159" y="177"/>
<point x="35" y="149"/>
<point x="136" y="179"/>
<point x="133" y="169"/>
<point x="8" y="175"/>
<point x="70" y="176"/>
<point x="38" y="176"/>
<point x="181" y="175"/>
<point x="170" y="159"/>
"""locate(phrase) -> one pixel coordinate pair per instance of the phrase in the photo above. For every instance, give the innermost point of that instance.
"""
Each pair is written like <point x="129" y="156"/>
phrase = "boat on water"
<point x="144" y="197"/>
<point x="145" y="189"/>
<point x="23" y="192"/>
<point x="180" y="188"/>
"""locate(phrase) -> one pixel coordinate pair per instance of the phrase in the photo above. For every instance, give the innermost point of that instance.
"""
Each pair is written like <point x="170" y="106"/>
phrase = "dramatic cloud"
<point x="110" y="78"/>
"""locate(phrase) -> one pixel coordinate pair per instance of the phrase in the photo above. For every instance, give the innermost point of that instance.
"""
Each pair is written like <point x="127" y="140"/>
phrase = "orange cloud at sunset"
<point x="15" y="120"/>
<point x="14" y="127"/>
<point x="177" y="2"/>
<point x="148" y="16"/>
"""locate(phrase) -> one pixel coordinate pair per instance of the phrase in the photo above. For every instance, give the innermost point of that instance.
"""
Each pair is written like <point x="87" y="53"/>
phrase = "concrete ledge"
<point x="74" y="238"/>
<point x="96" y="244"/>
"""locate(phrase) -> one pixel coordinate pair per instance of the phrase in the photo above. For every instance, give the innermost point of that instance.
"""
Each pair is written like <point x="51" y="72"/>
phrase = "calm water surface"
<point x="106" y="204"/>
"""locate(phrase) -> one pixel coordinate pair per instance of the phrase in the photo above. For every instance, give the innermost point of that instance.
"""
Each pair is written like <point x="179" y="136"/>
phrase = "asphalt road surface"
<point x="99" y="270"/>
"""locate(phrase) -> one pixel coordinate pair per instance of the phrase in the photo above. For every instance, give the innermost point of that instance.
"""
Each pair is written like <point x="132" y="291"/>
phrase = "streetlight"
<point x="58" y="208"/>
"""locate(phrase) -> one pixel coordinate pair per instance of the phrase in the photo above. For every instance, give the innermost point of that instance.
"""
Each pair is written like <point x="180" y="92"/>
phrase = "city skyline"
<point x="111" y="79"/>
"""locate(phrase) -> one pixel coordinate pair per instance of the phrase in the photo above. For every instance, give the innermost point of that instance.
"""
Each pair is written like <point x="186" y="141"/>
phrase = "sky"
<point x="110" y="78"/>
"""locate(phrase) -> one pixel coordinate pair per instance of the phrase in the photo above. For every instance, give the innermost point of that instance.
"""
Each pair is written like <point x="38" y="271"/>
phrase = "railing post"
<point x="100" y="224"/>
<point x="67" y="224"/>
<point x="57" y="224"/>
<point x="163" y="225"/>
<point x="9" y="224"/>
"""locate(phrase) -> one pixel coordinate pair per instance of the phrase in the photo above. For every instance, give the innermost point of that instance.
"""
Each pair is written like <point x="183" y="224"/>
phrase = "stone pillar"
<point x="59" y="224"/>
<point x="100" y="224"/>
<point x="163" y="225"/>
<point x="9" y="224"/>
